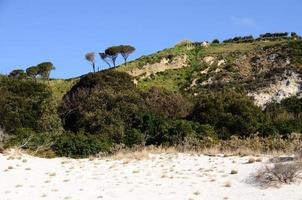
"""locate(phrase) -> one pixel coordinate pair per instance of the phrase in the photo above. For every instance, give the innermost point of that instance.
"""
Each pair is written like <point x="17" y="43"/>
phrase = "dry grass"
<point x="13" y="153"/>
<point x="252" y="146"/>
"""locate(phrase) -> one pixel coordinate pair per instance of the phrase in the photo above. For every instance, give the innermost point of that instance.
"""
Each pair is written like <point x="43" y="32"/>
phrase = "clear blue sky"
<point x="62" y="31"/>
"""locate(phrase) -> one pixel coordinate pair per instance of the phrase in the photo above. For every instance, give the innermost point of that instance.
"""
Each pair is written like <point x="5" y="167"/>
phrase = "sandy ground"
<point x="158" y="177"/>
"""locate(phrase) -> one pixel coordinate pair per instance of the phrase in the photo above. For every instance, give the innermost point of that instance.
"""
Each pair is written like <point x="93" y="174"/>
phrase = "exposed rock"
<point x="205" y="44"/>
<point x="221" y="62"/>
<point x="207" y="82"/>
<point x="193" y="82"/>
<point x="163" y="65"/>
<point x="289" y="85"/>
<point x="209" y="60"/>
<point x="205" y="71"/>
<point x="135" y="81"/>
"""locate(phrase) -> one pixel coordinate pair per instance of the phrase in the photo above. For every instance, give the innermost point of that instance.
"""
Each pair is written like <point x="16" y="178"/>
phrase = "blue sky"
<point x="62" y="31"/>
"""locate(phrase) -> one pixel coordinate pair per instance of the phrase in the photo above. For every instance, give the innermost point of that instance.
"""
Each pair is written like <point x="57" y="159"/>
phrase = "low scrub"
<point x="80" y="145"/>
<point x="279" y="173"/>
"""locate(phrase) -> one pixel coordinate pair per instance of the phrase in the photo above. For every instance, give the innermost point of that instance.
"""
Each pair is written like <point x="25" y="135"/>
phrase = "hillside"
<point x="266" y="70"/>
<point x="193" y="95"/>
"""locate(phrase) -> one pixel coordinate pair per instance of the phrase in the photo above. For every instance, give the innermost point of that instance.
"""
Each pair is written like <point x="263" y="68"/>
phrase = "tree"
<point x="216" y="41"/>
<point x="44" y="69"/>
<point x="112" y="53"/>
<point x="125" y="51"/>
<point x="91" y="58"/>
<point x="32" y="72"/>
<point x="104" y="57"/>
<point x="17" y="73"/>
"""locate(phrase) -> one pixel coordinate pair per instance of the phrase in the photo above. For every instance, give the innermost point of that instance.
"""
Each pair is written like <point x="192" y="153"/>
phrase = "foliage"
<point x="21" y="103"/>
<point x="103" y="103"/>
<point x="17" y="73"/>
<point x="125" y="51"/>
<point x="244" y="39"/>
<point x="286" y="116"/>
<point x="167" y="104"/>
<point x="296" y="51"/>
<point x="273" y="35"/>
<point x="104" y="57"/>
<point x="44" y="69"/>
<point x="32" y="71"/>
<point x="80" y="145"/>
<point x="26" y="138"/>
<point x="215" y="41"/>
<point x="112" y="53"/>
<point x="230" y="113"/>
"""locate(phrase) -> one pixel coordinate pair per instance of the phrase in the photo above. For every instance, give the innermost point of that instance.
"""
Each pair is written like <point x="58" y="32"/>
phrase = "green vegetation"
<point x="229" y="112"/>
<point x="203" y="103"/>
<point x="21" y="103"/>
<point x="111" y="54"/>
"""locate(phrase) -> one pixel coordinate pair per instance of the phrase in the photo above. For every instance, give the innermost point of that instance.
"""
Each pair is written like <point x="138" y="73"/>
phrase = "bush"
<point x="229" y="112"/>
<point x="279" y="173"/>
<point x="28" y="139"/>
<point x="80" y="145"/>
<point x="167" y="104"/>
<point x="286" y="116"/>
<point x="134" y="137"/>
<point x="104" y="103"/>
<point x="161" y="131"/>
<point x="21" y="103"/>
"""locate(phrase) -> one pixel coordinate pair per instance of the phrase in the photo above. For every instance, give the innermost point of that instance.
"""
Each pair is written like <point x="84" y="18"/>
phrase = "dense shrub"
<point x="160" y="131"/>
<point x="21" y="103"/>
<point x="167" y="104"/>
<point x="296" y="51"/>
<point x="230" y="113"/>
<point x="286" y="116"/>
<point x="134" y="137"/>
<point x="37" y="143"/>
<point x="104" y="103"/>
<point x="80" y="145"/>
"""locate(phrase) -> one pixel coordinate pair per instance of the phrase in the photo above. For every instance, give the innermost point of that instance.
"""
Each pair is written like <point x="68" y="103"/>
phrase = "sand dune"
<point x="161" y="176"/>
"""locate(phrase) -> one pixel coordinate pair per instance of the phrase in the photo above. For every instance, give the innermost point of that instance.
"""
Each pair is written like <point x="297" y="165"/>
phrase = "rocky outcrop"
<point x="163" y="65"/>
<point x="288" y="85"/>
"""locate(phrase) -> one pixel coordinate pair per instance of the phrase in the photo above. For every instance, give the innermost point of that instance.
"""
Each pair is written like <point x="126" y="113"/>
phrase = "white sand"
<point x="160" y="177"/>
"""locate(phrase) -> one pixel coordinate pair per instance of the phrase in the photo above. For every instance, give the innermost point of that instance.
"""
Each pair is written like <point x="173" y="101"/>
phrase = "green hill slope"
<point x="193" y="94"/>
<point x="254" y="67"/>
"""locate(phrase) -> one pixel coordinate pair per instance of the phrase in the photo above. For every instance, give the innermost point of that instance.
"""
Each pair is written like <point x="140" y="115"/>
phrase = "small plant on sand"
<point x="227" y="184"/>
<point x="279" y="173"/>
<point x="251" y="160"/>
